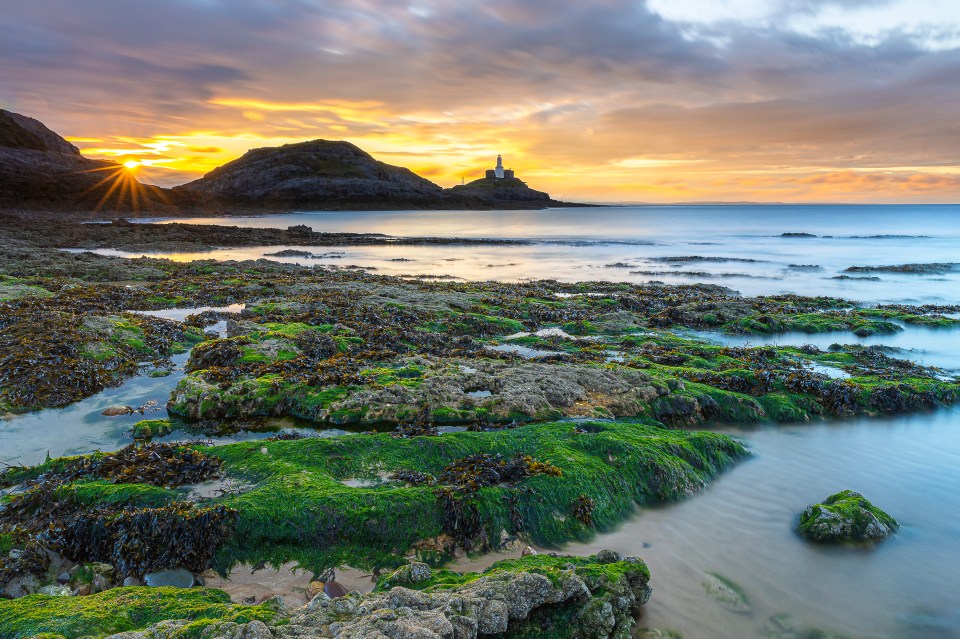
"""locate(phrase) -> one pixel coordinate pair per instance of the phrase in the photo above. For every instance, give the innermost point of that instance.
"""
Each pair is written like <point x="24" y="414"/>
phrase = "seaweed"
<point x="583" y="508"/>
<point x="143" y="540"/>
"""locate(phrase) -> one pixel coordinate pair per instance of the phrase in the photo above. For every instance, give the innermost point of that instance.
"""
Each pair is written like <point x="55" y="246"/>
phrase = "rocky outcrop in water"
<point x="502" y="190"/>
<point x="319" y="173"/>
<point x="329" y="174"/>
<point x="846" y="516"/>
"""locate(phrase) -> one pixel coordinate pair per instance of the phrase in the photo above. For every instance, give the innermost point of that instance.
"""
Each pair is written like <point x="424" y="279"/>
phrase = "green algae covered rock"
<point x="124" y="610"/>
<point x="845" y="516"/>
<point x="535" y="596"/>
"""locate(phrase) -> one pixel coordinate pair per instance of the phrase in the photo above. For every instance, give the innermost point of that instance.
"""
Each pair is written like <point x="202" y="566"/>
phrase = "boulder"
<point x="178" y="578"/>
<point x="412" y="573"/>
<point x="845" y="516"/>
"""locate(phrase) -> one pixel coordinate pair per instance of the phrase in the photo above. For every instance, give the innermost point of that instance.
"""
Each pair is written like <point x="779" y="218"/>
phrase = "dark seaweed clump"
<point x="461" y="480"/>
<point x="474" y="472"/>
<point x="167" y="465"/>
<point x="133" y="534"/>
<point x="139" y="541"/>
<point x="583" y="509"/>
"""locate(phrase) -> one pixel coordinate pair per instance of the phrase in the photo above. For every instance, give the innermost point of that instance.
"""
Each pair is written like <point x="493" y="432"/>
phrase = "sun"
<point x="131" y="164"/>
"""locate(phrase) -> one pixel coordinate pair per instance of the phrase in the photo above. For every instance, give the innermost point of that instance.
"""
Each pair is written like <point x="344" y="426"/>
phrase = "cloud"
<point x="602" y="99"/>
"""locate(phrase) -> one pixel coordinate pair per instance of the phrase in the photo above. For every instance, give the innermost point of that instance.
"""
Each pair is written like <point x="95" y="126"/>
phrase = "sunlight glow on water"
<point x="581" y="244"/>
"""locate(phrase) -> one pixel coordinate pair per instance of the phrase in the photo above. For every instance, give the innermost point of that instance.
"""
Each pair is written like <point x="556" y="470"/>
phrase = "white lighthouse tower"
<point x="499" y="173"/>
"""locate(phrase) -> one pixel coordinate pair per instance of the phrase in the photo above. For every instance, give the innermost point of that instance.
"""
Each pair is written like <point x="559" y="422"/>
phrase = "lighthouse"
<point x="499" y="172"/>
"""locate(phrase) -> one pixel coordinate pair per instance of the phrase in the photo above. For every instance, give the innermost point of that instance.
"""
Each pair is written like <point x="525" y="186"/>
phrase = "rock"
<point x="116" y="411"/>
<point x="318" y="172"/>
<point x="177" y="578"/>
<point x="411" y="573"/>
<point x="594" y="604"/>
<point x="257" y="630"/>
<point x="845" y="516"/>
<point x="58" y="590"/>
<point x="132" y="581"/>
<point x="63" y="578"/>
<point x="314" y="589"/>
<point x="608" y="557"/>
<point x="38" y="168"/>
<point x="334" y="589"/>
<point x="527" y="551"/>
<point x="20" y="586"/>
<point x="501" y="190"/>
<point x="99" y="583"/>
<point x="726" y="593"/>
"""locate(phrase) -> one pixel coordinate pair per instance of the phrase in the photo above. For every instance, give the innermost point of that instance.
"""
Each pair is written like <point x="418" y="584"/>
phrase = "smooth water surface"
<point x="582" y="244"/>
<point x="741" y="528"/>
<point x="939" y="347"/>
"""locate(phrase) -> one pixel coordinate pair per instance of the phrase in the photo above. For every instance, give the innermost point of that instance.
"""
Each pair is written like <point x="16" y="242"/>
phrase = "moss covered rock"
<point x="302" y="506"/>
<point x="122" y="610"/>
<point x="845" y="516"/>
<point x="536" y="596"/>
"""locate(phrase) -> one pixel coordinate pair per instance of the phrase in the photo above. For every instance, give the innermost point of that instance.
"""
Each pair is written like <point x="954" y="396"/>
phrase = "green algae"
<point x="298" y="507"/>
<point x="619" y="466"/>
<point x="857" y="321"/>
<point x="121" y="610"/>
<point x="147" y="429"/>
<point x="554" y="567"/>
<point x="846" y="516"/>
<point x="13" y="288"/>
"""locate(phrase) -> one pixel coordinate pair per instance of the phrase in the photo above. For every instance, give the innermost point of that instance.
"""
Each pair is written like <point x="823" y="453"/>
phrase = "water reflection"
<point x="741" y="528"/>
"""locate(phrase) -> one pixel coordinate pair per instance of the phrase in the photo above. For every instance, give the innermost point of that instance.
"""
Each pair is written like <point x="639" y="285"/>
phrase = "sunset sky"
<point x="608" y="100"/>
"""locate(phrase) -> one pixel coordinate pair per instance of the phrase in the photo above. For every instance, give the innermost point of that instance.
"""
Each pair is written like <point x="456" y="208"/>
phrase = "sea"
<point x="741" y="526"/>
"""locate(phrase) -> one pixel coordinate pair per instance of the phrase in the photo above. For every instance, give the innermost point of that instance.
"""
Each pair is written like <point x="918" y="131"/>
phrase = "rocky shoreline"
<point x="535" y="412"/>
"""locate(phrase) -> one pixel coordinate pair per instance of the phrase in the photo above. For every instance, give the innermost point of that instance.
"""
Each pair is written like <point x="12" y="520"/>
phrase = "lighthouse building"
<point x="499" y="172"/>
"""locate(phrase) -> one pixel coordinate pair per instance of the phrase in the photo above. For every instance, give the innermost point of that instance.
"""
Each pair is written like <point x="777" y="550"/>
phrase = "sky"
<point x="600" y="101"/>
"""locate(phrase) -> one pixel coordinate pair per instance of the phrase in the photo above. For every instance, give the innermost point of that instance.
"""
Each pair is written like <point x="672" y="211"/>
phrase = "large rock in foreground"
<point x="544" y="596"/>
<point x="845" y="516"/>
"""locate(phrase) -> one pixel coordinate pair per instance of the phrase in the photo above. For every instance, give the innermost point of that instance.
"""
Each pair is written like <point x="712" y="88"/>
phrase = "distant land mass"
<point x="41" y="170"/>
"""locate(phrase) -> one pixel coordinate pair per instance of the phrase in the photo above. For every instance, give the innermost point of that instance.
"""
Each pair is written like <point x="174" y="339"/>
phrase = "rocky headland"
<point x="42" y="171"/>
<point x="502" y="191"/>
